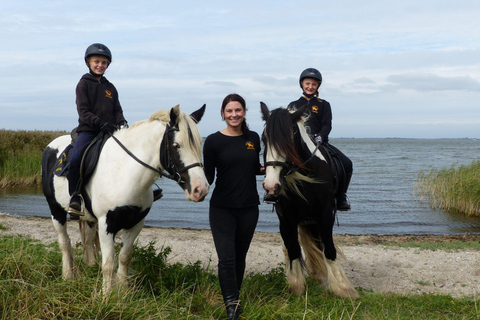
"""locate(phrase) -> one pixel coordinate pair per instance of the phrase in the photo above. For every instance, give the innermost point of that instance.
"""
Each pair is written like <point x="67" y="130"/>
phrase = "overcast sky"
<point x="391" y="68"/>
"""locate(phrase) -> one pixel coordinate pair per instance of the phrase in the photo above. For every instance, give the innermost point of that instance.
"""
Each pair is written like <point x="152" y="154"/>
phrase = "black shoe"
<point x="234" y="309"/>
<point x="75" y="207"/>
<point x="342" y="203"/>
<point x="157" y="194"/>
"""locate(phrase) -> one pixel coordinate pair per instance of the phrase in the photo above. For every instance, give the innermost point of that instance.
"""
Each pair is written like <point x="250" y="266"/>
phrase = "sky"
<point x="404" y="69"/>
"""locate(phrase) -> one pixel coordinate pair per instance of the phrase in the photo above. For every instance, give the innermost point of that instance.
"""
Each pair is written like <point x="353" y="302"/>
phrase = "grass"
<point x="455" y="189"/>
<point x="20" y="156"/>
<point x="31" y="287"/>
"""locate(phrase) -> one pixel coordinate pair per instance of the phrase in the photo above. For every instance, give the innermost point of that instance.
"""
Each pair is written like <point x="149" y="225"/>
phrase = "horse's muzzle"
<point x="270" y="198"/>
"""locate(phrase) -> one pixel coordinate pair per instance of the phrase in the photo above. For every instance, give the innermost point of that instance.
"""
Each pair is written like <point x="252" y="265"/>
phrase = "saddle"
<point x="336" y="167"/>
<point x="89" y="159"/>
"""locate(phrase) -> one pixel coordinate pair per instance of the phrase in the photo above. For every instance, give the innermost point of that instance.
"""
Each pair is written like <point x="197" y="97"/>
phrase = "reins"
<point x="176" y="174"/>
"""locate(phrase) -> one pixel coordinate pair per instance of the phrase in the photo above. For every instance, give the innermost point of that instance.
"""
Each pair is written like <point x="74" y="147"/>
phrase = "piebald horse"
<point x="300" y="183"/>
<point x="119" y="193"/>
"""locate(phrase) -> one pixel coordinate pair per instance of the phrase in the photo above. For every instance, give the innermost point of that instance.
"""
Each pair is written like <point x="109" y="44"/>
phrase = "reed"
<point x="31" y="287"/>
<point x="20" y="156"/>
<point x="455" y="189"/>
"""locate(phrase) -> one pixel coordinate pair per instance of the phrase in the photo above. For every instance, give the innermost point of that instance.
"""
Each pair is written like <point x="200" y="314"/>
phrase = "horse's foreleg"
<point x="65" y="248"/>
<point x="338" y="281"/>
<point x="313" y="249"/>
<point x="294" y="268"/>
<point x="125" y="255"/>
<point x="89" y="234"/>
<point x="107" y="246"/>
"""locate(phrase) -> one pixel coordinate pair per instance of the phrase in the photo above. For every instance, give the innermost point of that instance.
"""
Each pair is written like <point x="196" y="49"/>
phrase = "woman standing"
<point x="234" y="153"/>
<point x="319" y="125"/>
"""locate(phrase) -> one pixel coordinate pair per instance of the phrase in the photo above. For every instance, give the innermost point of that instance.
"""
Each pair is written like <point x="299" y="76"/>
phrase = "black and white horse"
<point x="119" y="194"/>
<point x="300" y="183"/>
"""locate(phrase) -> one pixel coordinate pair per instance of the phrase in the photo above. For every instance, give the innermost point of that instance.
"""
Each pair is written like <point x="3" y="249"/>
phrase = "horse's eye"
<point x="176" y="145"/>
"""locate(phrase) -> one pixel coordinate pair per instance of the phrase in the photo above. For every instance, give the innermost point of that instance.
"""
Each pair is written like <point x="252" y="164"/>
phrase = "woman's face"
<point x="310" y="86"/>
<point x="234" y="114"/>
<point x="98" y="64"/>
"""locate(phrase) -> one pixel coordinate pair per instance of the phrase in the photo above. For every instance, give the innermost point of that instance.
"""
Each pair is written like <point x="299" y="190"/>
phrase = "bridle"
<point x="167" y="161"/>
<point x="290" y="166"/>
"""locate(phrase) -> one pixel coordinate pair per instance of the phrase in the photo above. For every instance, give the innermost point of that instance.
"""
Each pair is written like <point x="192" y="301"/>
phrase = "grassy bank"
<point x="20" y="156"/>
<point x="456" y="189"/>
<point x="31" y="288"/>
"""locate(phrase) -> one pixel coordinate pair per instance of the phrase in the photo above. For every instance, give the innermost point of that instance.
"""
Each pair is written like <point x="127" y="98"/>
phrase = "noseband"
<point x="166" y="159"/>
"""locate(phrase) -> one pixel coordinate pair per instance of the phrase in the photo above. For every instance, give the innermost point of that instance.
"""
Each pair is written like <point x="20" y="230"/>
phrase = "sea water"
<point x="381" y="192"/>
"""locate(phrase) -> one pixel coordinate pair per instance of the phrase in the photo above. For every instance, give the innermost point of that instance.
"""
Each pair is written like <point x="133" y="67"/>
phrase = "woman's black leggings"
<point x="232" y="231"/>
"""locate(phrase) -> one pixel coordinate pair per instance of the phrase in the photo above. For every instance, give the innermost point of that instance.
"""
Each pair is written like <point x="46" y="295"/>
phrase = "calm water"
<point x="381" y="192"/>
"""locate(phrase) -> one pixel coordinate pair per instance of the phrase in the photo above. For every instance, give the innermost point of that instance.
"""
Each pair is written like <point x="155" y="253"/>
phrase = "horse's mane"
<point x="279" y="131"/>
<point x="190" y="136"/>
<point x="280" y="135"/>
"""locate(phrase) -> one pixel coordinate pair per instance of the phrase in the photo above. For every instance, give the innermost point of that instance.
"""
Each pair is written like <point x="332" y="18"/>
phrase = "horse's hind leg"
<point x="125" y="255"/>
<point x="89" y="234"/>
<point x="337" y="280"/>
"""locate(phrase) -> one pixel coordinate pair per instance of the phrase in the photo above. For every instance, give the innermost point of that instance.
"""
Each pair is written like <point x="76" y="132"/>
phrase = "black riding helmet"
<point x="98" y="49"/>
<point x="311" y="73"/>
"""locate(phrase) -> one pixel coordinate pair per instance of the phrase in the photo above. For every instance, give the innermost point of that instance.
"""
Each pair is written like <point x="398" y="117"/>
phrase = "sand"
<point x="371" y="264"/>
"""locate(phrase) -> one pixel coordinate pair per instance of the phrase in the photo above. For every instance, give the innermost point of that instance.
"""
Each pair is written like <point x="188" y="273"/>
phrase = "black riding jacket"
<point x="319" y="114"/>
<point x="97" y="101"/>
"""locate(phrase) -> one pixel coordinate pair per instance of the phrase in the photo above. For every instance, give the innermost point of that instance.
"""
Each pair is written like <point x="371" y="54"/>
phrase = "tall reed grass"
<point x="455" y="189"/>
<point x="20" y="156"/>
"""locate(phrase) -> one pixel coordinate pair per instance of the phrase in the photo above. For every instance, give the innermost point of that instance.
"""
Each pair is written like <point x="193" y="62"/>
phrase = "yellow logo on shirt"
<point x="108" y="94"/>
<point x="250" y="145"/>
<point x="315" y="109"/>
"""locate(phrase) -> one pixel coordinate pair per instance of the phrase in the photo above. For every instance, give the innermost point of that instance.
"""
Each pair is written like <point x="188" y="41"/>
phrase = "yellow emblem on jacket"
<point x="108" y="94"/>
<point x="250" y="145"/>
<point x="315" y="109"/>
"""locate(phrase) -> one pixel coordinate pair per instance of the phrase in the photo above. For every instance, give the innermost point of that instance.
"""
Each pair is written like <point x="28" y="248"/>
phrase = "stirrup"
<point x="76" y="212"/>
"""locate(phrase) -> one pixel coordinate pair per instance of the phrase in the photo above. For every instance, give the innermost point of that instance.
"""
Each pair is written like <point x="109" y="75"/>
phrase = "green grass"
<point x="20" y="156"/>
<point x="455" y="189"/>
<point x="31" y="287"/>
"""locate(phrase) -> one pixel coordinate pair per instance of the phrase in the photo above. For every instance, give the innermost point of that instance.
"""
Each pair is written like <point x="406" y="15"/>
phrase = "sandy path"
<point x="371" y="266"/>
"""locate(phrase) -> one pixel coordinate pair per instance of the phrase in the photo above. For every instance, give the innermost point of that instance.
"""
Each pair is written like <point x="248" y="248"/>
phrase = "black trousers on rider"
<point x="232" y="231"/>
<point x="83" y="140"/>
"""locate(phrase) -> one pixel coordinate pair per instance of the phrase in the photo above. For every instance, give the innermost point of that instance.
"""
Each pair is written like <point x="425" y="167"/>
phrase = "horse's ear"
<point x="197" y="115"/>
<point x="174" y="114"/>
<point x="265" y="111"/>
<point x="298" y="113"/>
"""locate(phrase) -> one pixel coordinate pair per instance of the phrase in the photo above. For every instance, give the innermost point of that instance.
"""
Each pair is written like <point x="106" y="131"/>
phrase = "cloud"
<point x="432" y="82"/>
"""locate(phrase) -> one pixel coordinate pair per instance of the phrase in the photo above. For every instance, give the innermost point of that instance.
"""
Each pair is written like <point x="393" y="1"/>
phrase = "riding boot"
<point x="343" y="204"/>
<point x="157" y="194"/>
<point x="228" y="285"/>
<point x="75" y="206"/>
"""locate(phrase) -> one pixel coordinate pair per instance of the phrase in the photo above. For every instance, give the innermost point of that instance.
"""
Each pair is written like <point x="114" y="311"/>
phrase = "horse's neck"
<point x="143" y="142"/>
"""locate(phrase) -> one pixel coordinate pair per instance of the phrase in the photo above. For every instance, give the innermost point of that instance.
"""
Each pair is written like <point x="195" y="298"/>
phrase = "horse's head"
<point x="180" y="153"/>
<point x="282" y="137"/>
